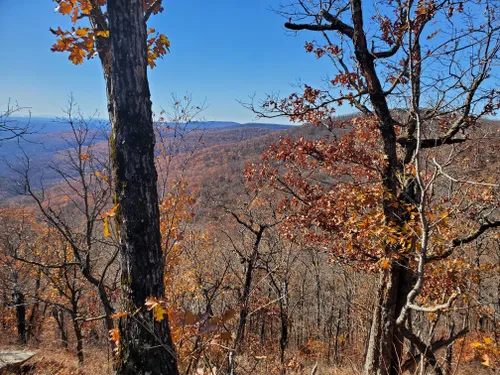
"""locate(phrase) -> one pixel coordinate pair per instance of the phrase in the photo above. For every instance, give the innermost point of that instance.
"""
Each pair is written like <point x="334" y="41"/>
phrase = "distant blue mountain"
<point x="48" y="137"/>
<point x="41" y="125"/>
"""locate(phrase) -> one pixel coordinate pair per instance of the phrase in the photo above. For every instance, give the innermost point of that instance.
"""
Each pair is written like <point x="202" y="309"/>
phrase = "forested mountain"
<point x="51" y="139"/>
<point x="155" y="243"/>
<point x="206" y="205"/>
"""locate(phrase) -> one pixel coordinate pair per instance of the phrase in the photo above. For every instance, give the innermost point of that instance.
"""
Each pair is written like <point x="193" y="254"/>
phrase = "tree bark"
<point x="30" y="331"/>
<point x="284" y="324"/>
<point x="59" y="318"/>
<point x="385" y="347"/>
<point x="146" y="345"/>
<point x="18" y="300"/>
<point x="79" y="339"/>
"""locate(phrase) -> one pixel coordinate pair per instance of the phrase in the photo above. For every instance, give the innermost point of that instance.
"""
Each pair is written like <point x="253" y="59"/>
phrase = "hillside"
<point x="50" y="142"/>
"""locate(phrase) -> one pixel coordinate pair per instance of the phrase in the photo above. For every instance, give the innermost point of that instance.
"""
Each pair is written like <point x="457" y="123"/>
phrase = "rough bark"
<point x="146" y="345"/>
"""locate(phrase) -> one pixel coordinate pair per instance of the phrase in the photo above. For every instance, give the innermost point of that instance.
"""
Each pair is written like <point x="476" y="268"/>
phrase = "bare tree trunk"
<point x="284" y="324"/>
<point x="385" y="347"/>
<point x="34" y="310"/>
<point x="19" y="303"/>
<point x="79" y="339"/>
<point x="329" y="333"/>
<point x="146" y="344"/>
<point x="59" y="318"/>
<point x="244" y="302"/>
<point x="337" y="334"/>
<point x="448" y="367"/>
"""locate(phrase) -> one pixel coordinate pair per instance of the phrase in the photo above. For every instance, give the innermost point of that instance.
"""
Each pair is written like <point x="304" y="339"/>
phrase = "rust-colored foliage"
<point x="85" y="40"/>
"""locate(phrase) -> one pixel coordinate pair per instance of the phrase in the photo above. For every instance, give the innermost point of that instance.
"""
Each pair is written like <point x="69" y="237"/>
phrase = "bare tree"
<point x="426" y="88"/>
<point x="13" y="128"/>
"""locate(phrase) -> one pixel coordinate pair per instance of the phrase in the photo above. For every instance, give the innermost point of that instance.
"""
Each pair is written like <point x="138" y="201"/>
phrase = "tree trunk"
<point x="30" y="332"/>
<point x="448" y="356"/>
<point x="18" y="300"/>
<point x="79" y="340"/>
<point x="145" y="345"/>
<point x="284" y="324"/>
<point x="385" y="347"/>
<point x="59" y="318"/>
<point x="337" y="334"/>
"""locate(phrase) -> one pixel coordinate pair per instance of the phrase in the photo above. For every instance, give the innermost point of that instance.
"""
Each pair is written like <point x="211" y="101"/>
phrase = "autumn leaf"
<point x="111" y="212"/>
<point x="114" y="335"/>
<point x="65" y="7"/>
<point x="76" y="57"/>
<point x="159" y="311"/>
<point x="106" y="227"/>
<point x="164" y="40"/>
<point x="486" y="360"/>
<point x="81" y="32"/>
<point x="118" y="315"/>
<point x="104" y="34"/>
<point x="488" y="341"/>
<point x="85" y="6"/>
<point x="385" y="264"/>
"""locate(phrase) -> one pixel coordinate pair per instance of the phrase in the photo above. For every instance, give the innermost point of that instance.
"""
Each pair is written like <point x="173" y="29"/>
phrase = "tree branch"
<point x="465" y="240"/>
<point x="334" y="25"/>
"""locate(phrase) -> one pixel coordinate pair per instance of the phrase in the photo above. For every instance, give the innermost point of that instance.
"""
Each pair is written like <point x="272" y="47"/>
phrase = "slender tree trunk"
<point x="284" y="324"/>
<point x="34" y="311"/>
<point x="146" y="345"/>
<point x="329" y="332"/>
<point x="18" y="300"/>
<point x="337" y="334"/>
<point x="59" y="318"/>
<point x="247" y="288"/>
<point x="448" y="357"/>
<point x="79" y="340"/>
<point x="245" y="307"/>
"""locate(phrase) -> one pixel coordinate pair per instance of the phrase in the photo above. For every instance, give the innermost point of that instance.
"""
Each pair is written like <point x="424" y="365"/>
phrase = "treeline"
<point x="249" y="288"/>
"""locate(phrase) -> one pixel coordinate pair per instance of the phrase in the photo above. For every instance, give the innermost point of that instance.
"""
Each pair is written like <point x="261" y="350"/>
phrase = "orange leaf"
<point x="106" y="227"/>
<point x="81" y="32"/>
<point x="76" y="57"/>
<point x="118" y="315"/>
<point x="385" y="264"/>
<point x="104" y="34"/>
<point x="114" y="334"/>
<point x="65" y="8"/>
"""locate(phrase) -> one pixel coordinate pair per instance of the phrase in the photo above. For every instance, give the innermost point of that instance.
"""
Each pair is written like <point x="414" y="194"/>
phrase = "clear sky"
<point x="222" y="51"/>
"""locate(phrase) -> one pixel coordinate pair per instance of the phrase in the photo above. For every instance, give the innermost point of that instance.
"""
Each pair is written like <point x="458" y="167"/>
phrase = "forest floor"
<point x="49" y="361"/>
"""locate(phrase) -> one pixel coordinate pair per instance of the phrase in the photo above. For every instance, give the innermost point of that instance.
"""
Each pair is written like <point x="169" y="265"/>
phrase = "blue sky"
<point x="222" y="51"/>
